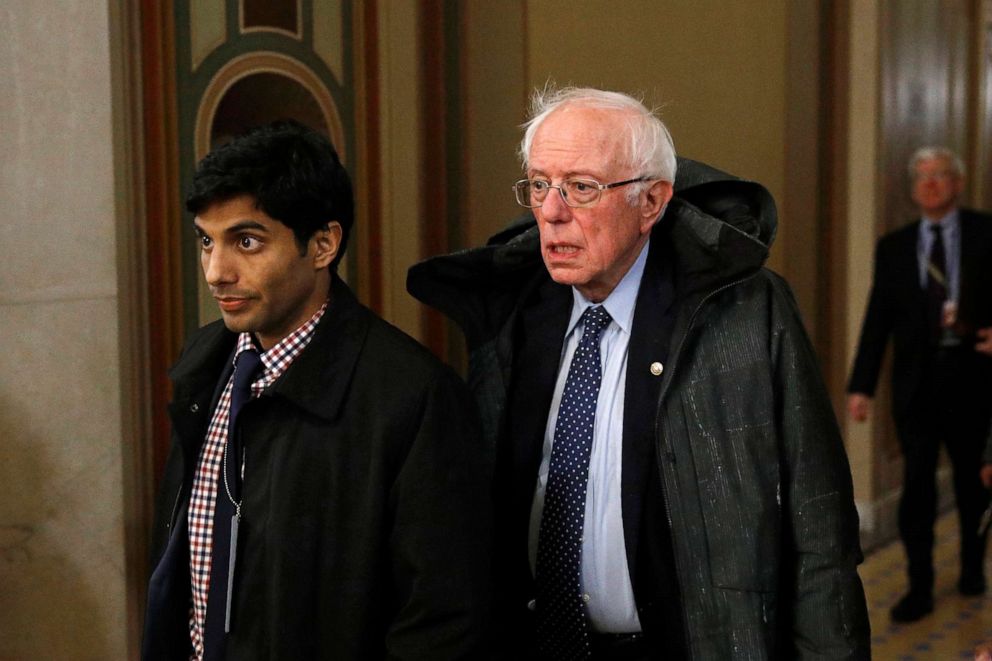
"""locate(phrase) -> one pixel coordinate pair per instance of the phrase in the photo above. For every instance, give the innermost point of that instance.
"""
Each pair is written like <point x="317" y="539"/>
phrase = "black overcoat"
<point x="366" y="515"/>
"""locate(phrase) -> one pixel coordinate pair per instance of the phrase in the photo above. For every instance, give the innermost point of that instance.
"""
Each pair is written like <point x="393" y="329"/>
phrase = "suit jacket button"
<point x="532" y="605"/>
<point x="194" y="407"/>
<point x="657" y="368"/>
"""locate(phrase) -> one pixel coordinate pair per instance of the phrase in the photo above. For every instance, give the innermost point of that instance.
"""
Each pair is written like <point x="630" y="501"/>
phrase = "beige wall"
<point x="61" y="531"/>
<point x="717" y="71"/>
<point x="400" y="158"/>
<point x="862" y="192"/>
<point x="495" y="95"/>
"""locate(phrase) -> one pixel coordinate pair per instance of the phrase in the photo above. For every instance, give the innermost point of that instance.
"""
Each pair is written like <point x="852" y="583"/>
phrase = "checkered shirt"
<point x="275" y="361"/>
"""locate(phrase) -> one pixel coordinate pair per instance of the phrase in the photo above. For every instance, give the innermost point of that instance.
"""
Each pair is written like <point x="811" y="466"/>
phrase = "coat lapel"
<point x="197" y="379"/>
<point x="320" y="386"/>
<point x="973" y="292"/>
<point x="649" y="344"/>
<point x="908" y="273"/>
<point x="543" y="322"/>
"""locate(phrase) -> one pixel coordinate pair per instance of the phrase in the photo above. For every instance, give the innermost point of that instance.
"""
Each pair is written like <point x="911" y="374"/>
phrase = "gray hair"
<point x="649" y="149"/>
<point x="932" y="152"/>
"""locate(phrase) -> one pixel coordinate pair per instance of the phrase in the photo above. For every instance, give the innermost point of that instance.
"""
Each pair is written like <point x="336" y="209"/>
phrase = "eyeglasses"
<point x="576" y="193"/>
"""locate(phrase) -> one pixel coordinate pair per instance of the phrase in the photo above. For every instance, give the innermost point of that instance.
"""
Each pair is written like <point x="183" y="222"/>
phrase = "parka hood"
<point x="722" y="226"/>
<point x="744" y="205"/>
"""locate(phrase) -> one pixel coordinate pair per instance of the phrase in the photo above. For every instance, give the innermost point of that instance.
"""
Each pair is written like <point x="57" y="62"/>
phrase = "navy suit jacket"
<point x="539" y="337"/>
<point x="897" y="308"/>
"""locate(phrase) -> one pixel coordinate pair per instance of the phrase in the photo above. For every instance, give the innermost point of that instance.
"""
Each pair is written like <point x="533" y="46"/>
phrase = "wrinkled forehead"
<point x="580" y="139"/>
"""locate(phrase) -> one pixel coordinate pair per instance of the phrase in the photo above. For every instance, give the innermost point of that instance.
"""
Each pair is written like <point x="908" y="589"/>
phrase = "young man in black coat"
<point x="932" y="294"/>
<point x="324" y="497"/>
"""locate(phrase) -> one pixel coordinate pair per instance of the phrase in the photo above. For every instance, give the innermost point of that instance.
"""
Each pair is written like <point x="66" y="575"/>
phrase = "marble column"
<point x="62" y="585"/>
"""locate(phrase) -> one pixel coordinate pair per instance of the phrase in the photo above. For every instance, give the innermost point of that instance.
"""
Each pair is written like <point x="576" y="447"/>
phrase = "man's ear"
<point x="326" y="242"/>
<point x="959" y="183"/>
<point x="654" y="201"/>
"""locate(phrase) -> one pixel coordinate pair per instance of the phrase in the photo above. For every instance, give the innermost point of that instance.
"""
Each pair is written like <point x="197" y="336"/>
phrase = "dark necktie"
<point x="562" y="629"/>
<point x="936" y="284"/>
<point x="225" y="513"/>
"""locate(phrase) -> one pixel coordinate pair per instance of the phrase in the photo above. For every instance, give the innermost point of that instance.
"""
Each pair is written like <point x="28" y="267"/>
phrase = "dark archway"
<point x="261" y="98"/>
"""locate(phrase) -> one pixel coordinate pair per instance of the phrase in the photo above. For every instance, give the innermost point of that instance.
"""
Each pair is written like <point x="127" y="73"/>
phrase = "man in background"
<point x="932" y="295"/>
<point x="325" y="496"/>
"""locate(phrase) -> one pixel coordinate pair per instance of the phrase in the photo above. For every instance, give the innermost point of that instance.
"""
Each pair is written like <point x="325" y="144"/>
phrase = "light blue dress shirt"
<point x="605" y="575"/>
<point x="950" y="233"/>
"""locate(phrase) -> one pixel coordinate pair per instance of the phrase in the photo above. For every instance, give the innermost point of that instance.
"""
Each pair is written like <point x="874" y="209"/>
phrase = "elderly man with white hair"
<point x="670" y="481"/>
<point x="932" y="295"/>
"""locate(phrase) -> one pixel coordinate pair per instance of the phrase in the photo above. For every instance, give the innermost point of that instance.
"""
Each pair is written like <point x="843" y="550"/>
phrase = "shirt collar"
<point x="948" y="223"/>
<point x="621" y="301"/>
<point x="280" y="355"/>
<point x="245" y="342"/>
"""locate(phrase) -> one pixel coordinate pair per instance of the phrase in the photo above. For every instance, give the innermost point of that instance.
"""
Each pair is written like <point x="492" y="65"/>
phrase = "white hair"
<point x="649" y="150"/>
<point x="932" y="152"/>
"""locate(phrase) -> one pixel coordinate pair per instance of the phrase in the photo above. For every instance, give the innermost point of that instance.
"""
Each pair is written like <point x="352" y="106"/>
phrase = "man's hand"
<point x="986" y="475"/>
<point x="984" y="345"/>
<point x="858" y="406"/>
<point x="984" y="651"/>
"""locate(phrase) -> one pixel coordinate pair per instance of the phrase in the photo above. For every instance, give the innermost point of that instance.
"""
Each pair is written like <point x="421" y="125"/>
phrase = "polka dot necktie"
<point x="562" y="630"/>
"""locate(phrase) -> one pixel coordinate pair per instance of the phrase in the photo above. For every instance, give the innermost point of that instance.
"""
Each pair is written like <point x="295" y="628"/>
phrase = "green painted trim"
<point x="191" y="87"/>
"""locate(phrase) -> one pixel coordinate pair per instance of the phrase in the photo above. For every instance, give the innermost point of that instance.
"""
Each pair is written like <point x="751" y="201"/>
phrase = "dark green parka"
<point x="754" y="475"/>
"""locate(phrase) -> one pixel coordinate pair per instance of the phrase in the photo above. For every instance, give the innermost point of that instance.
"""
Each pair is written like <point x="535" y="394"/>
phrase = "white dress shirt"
<point x="605" y="575"/>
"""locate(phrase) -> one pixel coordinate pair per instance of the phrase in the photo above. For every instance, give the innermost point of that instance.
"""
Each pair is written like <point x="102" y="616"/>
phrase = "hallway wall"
<point x="724" y="104"/>
<point x="738" y="83"/>
<point x="716" y="71"/>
